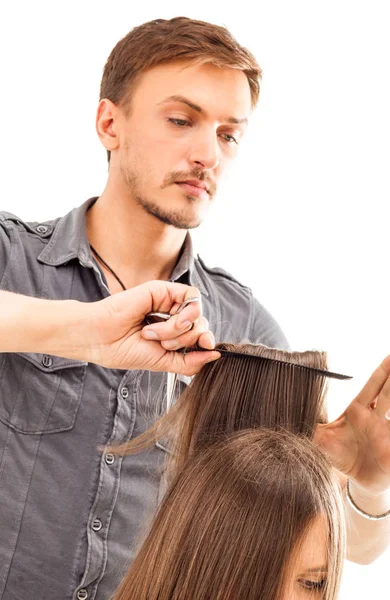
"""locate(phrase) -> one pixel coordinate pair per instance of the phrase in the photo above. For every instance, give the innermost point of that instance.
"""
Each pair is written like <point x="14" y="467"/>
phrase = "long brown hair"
<point x="233" y="521"/>
<point x="237" y="496"/>
<point x="239" y="392"/>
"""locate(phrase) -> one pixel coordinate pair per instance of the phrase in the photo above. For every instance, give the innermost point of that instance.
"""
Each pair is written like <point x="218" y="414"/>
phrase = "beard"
<point x="180" y="219"/>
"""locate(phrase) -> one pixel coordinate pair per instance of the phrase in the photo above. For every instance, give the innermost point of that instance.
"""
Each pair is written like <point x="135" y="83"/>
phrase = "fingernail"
<point x="184" y="324"/>
<point x="211" y="339"/>
<point x="170" y="345"/>
<point x="387" y="415"/>
<point x="213" y="358"/>
<point x="149" y="334"/>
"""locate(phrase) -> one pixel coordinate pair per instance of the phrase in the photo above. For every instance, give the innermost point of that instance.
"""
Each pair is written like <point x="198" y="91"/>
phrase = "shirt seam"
<point x="12" y="245"/>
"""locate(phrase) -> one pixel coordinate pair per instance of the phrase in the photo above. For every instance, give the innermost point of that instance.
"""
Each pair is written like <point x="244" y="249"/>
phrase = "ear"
<point x="106" y="125"/>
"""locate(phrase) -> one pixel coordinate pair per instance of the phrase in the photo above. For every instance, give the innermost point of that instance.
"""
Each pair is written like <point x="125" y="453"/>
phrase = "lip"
<point x="196" y="183"/>
<point x="194" y="188"/>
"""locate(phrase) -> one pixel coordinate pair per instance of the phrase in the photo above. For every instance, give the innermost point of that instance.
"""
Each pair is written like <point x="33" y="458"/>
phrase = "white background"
<point x="304" y="217"/>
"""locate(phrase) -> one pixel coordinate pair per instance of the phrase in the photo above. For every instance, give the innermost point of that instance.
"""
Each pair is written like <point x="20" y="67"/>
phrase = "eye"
<point x="315" y="586"/>
<point x="229" y="138"/>
<point x="179" y="122"/>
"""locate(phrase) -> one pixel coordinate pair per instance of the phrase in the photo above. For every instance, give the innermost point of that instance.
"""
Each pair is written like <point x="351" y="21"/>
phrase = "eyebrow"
<point x="317" y="569"/>
<point x="200" y="110"/>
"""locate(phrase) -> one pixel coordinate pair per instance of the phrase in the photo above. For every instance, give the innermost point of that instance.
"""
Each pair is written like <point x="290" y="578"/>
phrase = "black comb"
<point x="326" y="373"/>
<point x="227" y="353"/>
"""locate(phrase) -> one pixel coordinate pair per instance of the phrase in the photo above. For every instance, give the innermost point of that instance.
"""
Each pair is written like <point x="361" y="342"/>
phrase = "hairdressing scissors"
<point x="161" y="317"/>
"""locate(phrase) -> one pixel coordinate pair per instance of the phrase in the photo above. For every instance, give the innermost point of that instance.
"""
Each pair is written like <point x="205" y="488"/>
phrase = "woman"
<point x="256" y="516"/>
<point x="250" y="513"/>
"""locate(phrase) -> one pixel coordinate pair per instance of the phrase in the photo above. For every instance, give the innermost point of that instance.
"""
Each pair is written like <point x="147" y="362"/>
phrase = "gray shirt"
<point x="71" y="515"/>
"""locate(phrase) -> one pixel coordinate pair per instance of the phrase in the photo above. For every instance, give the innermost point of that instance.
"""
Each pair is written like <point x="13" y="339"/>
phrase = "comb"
<point x="324" y="372"/>
<point x="227" y="353"/>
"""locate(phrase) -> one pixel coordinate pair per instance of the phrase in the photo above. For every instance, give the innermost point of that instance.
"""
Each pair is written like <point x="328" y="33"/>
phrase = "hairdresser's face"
<point x="308" y="572"/>
<point x="185" y="124"/>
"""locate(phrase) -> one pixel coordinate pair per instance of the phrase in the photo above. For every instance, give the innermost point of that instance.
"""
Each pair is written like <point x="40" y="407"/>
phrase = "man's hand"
<point x="358" y="442"/>
<point x="111" y="332"/>
<point x="117" y="337"/>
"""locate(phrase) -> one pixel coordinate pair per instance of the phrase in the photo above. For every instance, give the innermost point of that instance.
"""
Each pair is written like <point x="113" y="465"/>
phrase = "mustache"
<point x="186" y="176"/>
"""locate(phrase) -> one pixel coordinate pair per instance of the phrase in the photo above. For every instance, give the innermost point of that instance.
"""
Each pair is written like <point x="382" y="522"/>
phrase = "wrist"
<point x="371" y="502"/>
<point x="64" y="331"/>
<point x="45" y="326"/>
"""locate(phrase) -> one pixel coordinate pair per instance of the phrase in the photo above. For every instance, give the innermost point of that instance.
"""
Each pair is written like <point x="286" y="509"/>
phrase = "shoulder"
<point x="234" y="311"/>
<point x="13" y="223"/>
<point x="221" y="276"/>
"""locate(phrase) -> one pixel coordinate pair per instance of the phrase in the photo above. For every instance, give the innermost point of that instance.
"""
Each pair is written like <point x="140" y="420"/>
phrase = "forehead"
<point x="215" y="89"/>
<point x="313" y="549"/>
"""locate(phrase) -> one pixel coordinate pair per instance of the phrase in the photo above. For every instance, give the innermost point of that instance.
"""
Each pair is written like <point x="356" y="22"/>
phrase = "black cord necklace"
<point x="107" y="267"/>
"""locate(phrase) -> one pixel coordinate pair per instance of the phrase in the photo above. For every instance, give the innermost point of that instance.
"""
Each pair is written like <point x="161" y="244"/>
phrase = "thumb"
<point x="189" y="363"/>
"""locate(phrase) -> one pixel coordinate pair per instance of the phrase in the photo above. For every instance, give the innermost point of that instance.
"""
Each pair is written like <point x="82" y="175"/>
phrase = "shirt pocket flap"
<point x="40" y="393"/>
<point x="49" y="363"/>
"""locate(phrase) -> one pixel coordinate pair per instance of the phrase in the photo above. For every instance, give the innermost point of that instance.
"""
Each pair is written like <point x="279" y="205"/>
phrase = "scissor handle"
<point x="156" y="317"/>
<point x="160" y="317"/>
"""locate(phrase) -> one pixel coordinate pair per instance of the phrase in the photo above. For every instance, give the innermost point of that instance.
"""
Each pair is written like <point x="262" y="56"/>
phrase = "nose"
<point x="204" y="150"/>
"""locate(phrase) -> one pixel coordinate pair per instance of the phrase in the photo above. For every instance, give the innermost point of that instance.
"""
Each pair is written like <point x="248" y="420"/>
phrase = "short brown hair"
<point x="163" y="41"/>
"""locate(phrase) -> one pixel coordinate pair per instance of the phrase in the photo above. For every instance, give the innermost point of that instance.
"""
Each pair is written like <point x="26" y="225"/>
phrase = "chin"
<point x="184" y="223"/>
<point x="189" y="217"/>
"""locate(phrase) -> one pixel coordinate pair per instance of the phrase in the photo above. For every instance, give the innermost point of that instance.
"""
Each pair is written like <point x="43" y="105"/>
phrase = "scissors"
<point x="161" y="317"/>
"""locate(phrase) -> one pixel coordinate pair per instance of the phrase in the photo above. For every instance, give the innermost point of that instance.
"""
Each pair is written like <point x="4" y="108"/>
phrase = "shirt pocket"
<point x="40" y="394"/>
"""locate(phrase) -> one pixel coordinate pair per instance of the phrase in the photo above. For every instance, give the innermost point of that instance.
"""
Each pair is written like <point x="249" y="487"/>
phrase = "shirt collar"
<point x="69" y="241"/>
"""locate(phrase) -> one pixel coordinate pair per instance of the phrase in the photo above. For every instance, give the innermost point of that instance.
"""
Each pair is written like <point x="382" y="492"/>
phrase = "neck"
<point x="136" y="245"/>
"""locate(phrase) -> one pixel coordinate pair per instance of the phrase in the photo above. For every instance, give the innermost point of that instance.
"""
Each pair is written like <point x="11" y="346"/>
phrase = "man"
<point x="176" y="97"/>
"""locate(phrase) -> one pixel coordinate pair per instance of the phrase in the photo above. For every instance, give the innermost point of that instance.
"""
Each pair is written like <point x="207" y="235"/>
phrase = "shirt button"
<point x="125" y="392"/>
<point x="47" y="361"/>
<point x="109" y="459"/>
<point x="42" y="228"/>
<point x="97" y="525"/>
<point x="82" y="594"/>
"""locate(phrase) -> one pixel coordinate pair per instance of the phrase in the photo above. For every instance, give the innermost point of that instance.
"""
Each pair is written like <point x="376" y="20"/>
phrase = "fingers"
<point x="189" y="364"/>
<point x="183" y="330"/>
<point x="198" y="335"/>
<point x="375" y="384"/>
<point x="382" y="402"/>
<point x="167" y="296"/>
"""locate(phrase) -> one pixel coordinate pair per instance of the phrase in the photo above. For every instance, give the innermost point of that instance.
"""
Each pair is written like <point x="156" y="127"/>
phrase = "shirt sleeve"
<point x="5" y="247"/>
<point x="265" y="329"/>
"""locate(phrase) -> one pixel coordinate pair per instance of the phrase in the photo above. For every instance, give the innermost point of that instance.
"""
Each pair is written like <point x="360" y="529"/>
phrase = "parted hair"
<point x="246" y="481"/>
<point x="233" y="520"/>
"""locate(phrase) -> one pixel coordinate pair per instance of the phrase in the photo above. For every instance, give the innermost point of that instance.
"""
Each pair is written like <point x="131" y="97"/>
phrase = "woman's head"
<point x="239" y="521"/>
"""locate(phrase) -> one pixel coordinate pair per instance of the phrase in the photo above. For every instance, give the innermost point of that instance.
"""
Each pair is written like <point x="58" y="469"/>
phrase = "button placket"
<point x="108" y="485"/>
